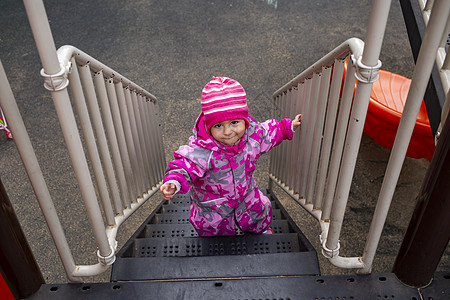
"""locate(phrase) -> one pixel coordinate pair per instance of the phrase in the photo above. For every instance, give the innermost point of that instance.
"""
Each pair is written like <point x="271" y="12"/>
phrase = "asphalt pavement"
<point x="172" y="49"/>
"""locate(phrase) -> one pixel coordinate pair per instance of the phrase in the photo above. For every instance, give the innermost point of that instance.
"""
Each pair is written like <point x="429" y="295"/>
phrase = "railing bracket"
<point x="110" y="259"/>
<point x="58" y="81"/>
<point x="328" y="253"/>
<point x="366" y="74"/>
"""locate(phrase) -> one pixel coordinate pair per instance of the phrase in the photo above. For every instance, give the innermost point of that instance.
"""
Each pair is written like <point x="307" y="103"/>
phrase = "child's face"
<point x="228" y="132"/>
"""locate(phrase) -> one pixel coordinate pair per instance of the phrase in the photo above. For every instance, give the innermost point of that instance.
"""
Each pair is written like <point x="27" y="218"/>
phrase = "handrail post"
<point x="422" y="72"/>
<point x="29" y="159"/>
<point x="367" y="73"/>
<point x="56" y="81"/>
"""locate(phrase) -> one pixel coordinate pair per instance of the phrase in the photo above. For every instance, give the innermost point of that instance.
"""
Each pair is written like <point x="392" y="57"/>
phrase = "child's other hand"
<point x="297" y="121"/>
<point x="168" y="190"/>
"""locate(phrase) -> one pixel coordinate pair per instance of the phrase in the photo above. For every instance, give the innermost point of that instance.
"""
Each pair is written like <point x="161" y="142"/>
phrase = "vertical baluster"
<point x="158" y="125"/>
<point x="286" y="145"/>
<point x="147" y="146"/>
<point x="118" y="126"/>
<point x="329" y="132"/>
<point x="297" y="137"/>
<point x="123" y="109"/>
<point x="273" y="152"/>
<point x="153" y="140"/>
<point x="108" y="123"/>
<point x="311" y="120"/>
<point x="102" y="143"/>
<point x="132" y="118"/>
<point x="88" y="134"/>
<point x="318" y="132"/>
<point x="278" y="153"/>
<point x="339" y="139"/>
<point x="146" y="142"/>
<point x="282" y="154"/>
<point x="291" y="144"/>
<point x="304" y="128"/>
<point x="141" y="141"/>
<point x="153" y="126"/>
<point x="156" y="138"/>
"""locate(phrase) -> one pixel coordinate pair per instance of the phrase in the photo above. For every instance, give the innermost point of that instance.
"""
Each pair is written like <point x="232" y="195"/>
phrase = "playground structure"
<point x="385" y="110"/>
<point x="138" y="181"/>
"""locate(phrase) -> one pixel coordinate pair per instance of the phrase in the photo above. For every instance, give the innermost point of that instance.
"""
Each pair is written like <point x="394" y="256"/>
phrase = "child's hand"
<point x="297" y="121"/>
<point x="168" y="190"/>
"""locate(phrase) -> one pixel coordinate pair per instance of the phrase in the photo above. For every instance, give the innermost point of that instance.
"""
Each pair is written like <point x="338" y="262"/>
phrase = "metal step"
<point x="183" y="217"/>
<point x="220" y="266"/>
<point x="187" y="230"/>
<point x="185" y="200"/>
<point x="184" y="203"/>
<point x="173" y="209"/>
<point x="207" y="246"/>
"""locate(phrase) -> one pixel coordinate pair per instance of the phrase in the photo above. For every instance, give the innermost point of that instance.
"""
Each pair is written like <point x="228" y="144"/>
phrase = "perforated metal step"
<point x="183" y="218"/>
<point x="183" y="208"/>
<point x="207" y="246"/>
<point x="180" y="199"/>
<point x="185" y="200"/>
<point x="173" y="209"/>
<point x="187" y="230"/>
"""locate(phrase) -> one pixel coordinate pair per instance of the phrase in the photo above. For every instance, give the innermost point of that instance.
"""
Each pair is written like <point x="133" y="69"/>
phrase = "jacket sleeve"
<point x="274" y="132"/>
<point x="185" y="168"/>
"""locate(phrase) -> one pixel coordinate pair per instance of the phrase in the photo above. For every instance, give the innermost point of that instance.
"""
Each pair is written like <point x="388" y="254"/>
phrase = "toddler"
<point x="218" y="163"/>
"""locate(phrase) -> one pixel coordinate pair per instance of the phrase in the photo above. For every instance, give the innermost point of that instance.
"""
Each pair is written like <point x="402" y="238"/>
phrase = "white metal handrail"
<point x="123" y="122"/>
<point x="94" y="88"/>
<point x="322" y="157"/>
<point x="324" y="96"/>
<point x="121" y="136"/>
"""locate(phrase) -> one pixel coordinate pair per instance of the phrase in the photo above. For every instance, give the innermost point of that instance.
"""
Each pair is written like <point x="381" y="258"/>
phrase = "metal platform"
<point x="375" y="286"/>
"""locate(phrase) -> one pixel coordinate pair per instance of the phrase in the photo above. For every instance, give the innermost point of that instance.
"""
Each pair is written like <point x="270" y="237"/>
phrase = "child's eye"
<point x="234" y="122"/>
<point x="217" y="125"/>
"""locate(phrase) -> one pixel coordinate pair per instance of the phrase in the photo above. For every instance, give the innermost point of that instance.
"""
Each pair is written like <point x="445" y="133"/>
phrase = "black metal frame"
<point x="434" y="94"/>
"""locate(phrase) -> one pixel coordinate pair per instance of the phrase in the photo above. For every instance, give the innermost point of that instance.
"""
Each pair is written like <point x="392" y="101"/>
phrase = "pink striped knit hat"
<point x="223" y="99"/>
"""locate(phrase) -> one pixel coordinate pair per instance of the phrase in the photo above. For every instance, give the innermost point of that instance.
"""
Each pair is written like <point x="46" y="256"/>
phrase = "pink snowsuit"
<point x="224" y="193"/>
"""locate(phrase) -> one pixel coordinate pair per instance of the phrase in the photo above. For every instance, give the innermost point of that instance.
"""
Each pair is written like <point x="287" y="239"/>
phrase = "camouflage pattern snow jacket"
<point x="224" y="193"/>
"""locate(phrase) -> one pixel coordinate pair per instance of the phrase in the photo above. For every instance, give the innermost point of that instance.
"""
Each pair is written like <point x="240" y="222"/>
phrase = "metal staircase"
<point x="166" y="247"/>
